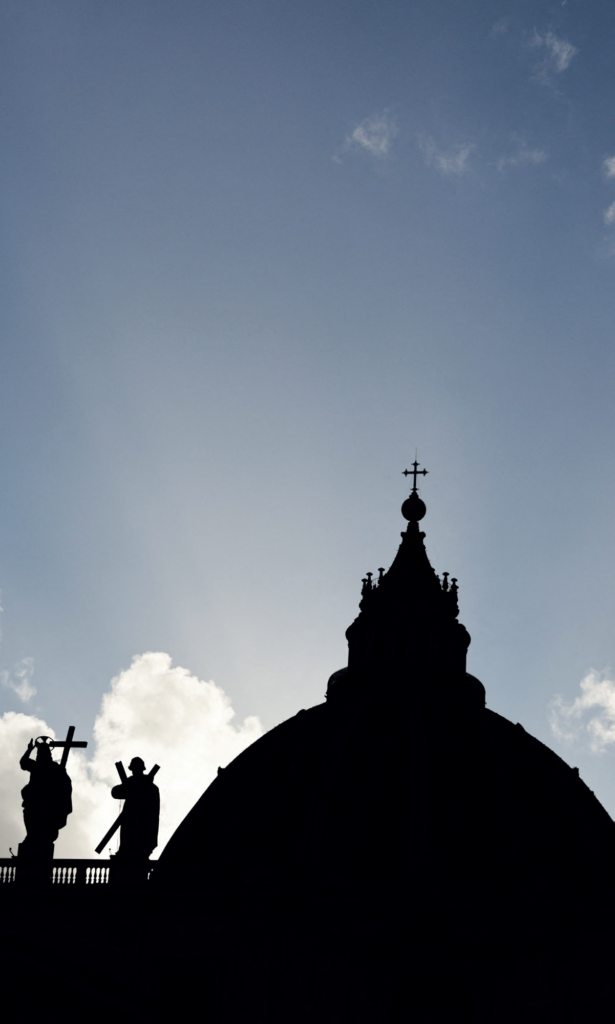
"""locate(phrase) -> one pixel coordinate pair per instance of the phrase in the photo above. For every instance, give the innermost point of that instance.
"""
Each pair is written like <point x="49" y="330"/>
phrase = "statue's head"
<point x="43" y="750"/>
<point x="137" y="766"/>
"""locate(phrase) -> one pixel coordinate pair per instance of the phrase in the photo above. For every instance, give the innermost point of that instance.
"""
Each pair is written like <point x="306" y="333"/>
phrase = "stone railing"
<point x="8" y="867"/>
<point x="80" y="872"/>
<point x="65" y="872"/>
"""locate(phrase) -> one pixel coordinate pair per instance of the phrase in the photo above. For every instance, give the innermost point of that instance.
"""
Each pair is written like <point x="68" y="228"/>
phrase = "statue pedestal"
<point x="34" y="863"/>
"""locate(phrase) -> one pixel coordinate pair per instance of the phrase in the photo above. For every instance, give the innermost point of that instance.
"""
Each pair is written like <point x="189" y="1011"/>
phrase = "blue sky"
<point x="253" y="255"/>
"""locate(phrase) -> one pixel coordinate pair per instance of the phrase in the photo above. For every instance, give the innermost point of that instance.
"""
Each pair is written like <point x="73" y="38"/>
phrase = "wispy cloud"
<point x="501" y="27"/>
<point x="451" y="162"/>
<point x="374" y="135"/>
<point x="608" y="166"/>
<point x="524" y="155"/>
<point x="20" y="679"/>
<point x="590" y="716"/>
<point x="557" y="55"/>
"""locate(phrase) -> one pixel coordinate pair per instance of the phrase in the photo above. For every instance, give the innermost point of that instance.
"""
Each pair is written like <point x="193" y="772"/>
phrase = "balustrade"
<point x="65" y="872"/>
<point x="7" y="870"/>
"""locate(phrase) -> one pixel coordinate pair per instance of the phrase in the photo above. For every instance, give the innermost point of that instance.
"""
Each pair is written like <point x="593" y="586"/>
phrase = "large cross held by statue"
<point x="68" y="744"/>
<point x="414" y="472"/>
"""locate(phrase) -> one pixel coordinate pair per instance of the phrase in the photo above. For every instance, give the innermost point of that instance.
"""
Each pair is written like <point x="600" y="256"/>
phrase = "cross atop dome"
<point x="414" y="472"/>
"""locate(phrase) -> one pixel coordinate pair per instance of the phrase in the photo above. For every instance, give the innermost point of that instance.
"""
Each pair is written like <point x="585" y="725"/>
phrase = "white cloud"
<point x="569" y="721"/>
<point x="523" y="156"/>
<point x="609" y="214"/>
<point x="374" y="135"/>
<point x="609" y="167"/>
<point x="558" y="54"/>
<point x="20" y="679"/>
<point x="451" y="162"/>
<point x="154" y="710"/>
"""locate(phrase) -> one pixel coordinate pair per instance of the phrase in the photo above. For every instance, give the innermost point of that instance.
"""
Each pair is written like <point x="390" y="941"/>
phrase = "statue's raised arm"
<point x="27" y="764"/>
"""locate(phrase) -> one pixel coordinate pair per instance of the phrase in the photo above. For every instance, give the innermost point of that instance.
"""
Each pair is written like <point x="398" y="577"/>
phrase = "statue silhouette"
<point x="46" y="800"/>
<point x="139" y="819"/>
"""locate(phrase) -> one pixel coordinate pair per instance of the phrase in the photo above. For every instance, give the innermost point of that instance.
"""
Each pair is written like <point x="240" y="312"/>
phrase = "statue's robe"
<point x="140" y="816"/>
<point x="47" y="800"/>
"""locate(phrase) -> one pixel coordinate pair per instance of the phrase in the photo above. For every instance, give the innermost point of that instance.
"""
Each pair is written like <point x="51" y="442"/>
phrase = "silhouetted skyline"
<point x="255" y="255"/>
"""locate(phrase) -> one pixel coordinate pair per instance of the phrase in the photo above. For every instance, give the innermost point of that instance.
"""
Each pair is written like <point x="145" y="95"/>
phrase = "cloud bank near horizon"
<point x="570" y="721"/>
<point x="154" y="710"/>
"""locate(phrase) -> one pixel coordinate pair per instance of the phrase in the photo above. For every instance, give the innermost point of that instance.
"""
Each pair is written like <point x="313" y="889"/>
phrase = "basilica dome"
<point x="402" y="783"/>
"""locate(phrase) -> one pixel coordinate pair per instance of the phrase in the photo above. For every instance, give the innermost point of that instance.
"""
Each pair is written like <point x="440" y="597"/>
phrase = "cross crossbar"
<point x="68" y="744"/>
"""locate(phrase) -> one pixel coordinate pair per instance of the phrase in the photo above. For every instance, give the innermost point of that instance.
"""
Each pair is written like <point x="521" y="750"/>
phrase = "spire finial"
<point x="413" y="508"/>
<point x="414" y="472"/>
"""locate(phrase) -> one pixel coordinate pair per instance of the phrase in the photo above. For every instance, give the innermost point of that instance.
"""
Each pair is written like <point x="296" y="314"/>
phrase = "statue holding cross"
<point x="47" y="798"/>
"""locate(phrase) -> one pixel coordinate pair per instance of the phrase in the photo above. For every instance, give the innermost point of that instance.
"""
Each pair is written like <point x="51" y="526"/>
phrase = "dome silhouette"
<point x="402" y="783"/>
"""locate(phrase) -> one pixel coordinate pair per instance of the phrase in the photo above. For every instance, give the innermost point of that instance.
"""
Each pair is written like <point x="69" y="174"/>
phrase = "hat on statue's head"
<point x="137" y="762"/>
<point x="43" y="745"/>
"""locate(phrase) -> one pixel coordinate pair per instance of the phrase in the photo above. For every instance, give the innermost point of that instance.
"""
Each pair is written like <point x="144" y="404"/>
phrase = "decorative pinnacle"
<point x="414" y="472"/>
